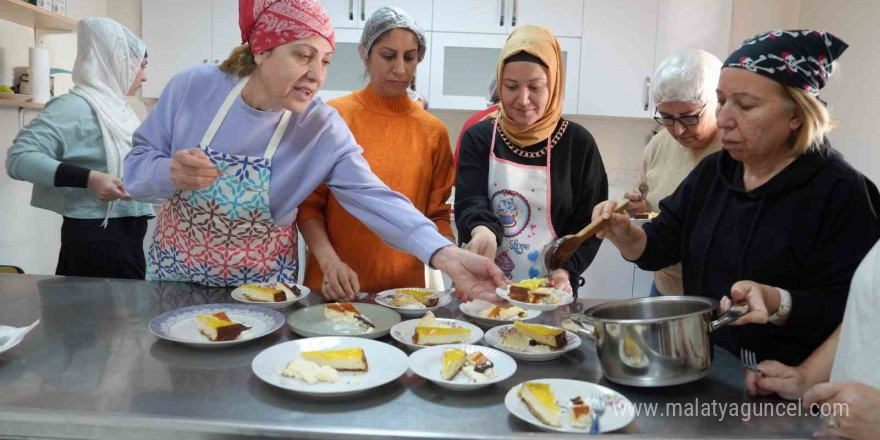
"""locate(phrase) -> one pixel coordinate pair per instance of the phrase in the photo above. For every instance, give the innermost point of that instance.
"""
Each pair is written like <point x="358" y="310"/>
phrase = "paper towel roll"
<point x="38" y="69"/>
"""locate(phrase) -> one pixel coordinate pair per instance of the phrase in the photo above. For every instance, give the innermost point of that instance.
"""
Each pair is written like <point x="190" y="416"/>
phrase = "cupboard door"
<point x="694" y="24"/>
<point x="346" y="71"/>
<point x="421" y="11"/>
<point x="225" y="31"/>
<point x="474" y="16"/>
<point x="563" y="17"/>
<point x="174" y="40"/>
<point x="343" y="13"/>
<point x="617" y="55"/>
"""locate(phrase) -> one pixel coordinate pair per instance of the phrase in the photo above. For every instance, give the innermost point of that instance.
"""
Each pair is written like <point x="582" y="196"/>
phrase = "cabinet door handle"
<point x="501" y="16"/>
<point x="515" y="11"/>
<point x="351" y="10"/>
<point x="205" y="60"/>
<point x="647" y="92"/>
<point x="363" y="10"/>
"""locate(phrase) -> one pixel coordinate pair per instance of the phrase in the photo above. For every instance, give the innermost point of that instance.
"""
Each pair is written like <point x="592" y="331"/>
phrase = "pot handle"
<point x="732" y="314"/>
<point x="579" y="323"/>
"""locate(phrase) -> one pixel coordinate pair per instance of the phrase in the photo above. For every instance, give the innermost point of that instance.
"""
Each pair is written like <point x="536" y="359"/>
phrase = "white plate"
<point x="180" y="325"/>
<point x="239" y="296"/>
<point x="384" y="299"/>
<point x="474" y="308"/>
<point x="619" y="411"/>
<point x="563" y="298"/>
<point x="310" y="322"/>
<point x="427" y="363"/>
<point x="403" y="332"/>
<point x="385" y="364"/>
<point x="495" y="335"/>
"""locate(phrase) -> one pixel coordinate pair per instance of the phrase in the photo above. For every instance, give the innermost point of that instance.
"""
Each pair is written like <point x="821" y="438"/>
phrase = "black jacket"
<point x="577" y="176"/>
<point x="805" y="231"/>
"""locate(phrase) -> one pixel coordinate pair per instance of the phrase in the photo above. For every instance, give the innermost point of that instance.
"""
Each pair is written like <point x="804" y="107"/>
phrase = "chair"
<point x="10" y="269"/>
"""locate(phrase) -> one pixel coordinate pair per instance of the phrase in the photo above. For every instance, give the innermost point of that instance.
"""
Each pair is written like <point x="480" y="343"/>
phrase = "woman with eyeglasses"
<point x="684" y="91"/>
<point x="777" y="219"/>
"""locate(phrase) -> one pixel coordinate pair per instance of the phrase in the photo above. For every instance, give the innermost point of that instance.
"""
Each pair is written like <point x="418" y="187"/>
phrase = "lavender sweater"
<point x="316" y="148"/>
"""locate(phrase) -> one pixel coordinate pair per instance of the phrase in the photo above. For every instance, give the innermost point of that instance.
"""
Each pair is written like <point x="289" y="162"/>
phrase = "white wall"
<point x="853" y="95"/>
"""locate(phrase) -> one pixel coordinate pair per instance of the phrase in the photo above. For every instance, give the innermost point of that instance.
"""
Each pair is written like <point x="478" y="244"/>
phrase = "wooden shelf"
<point x="26" y="14"/>
<point x="20" y="104"/>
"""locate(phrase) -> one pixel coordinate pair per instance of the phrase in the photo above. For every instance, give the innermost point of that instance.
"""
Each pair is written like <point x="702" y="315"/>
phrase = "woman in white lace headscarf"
<point x="73" y="153"/>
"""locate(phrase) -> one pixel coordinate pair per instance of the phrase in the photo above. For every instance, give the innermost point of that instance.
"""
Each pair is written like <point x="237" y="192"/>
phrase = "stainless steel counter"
<point x="92" y="369"/>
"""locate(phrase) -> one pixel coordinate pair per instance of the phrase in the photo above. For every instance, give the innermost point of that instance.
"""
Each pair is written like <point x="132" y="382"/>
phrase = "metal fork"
<point x="598" y="405"/>
<point x="3" y="340"/>
<point x="748" y="359"/>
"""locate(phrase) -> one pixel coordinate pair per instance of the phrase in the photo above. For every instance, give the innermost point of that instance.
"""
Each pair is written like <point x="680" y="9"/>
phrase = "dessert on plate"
<point x="478" y="368"/>
<point x="406" y="302"/>
<point x="430" y="331"/>
<point x="261" y="293"/>
<point x="541" y="401"/>
<point x="503" y="313"/>
<point x="310" y="372"/>
<point x="346" y="312"/>
<point x="453" y="360"/>
<point x="290" y="289"/>
<point x="218" y="327"/>
<point x="580" y="414"/>
<point x="422" y="296"/>
<point x="535" y="338"/>
<point x="533" y="291"/>
<point x="349" y="359"/>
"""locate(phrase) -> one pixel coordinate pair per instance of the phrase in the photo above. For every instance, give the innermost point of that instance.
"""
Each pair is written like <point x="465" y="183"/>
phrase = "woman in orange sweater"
<point x="406" y="147"/>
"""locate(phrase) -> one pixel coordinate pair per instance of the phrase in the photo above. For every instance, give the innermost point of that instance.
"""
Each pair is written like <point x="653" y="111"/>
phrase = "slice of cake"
<point x="478" y="368"/>
<point x="349" y="359"/>
<point x="533" y="291"/>
<point x="503" y="313"/>
<point x="346" y="312"/>
<point x="453" y="360"/>
<point x="553" y="337"/>
<point x="581" y="416"/>
<point x="541" y="401"/>
<point x="422" y="296"/>
<point x="218" y="327"/>
<point x="406" y="302"/>
<point x="258" y="293"/>
<point x="290" y="290"/>
<point x="430" y="331"/>
<point x="310" y="372"/>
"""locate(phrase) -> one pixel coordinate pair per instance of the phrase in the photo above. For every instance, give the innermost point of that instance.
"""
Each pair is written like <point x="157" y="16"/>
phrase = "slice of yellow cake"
<point x="553" y="337"/>
<point x="218" y="327"/>
<point x="258" y="293"/>
<point x="422" y="296"/>
<point x="431" y="331"/>
<point x="453" y="360"/>
<point x="349" y="359"/>
<point x="541" y="401"/>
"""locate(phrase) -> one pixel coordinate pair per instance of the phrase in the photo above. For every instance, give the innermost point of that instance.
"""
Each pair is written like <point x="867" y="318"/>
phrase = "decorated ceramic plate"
<point x="495" y="338"/>
<point x="180" y="325"/>
<point x="238" y="295"/>
<point x="428" y="363"/>
<point x="404" y="331"/>
<point x="477" y="309"/>
<point x="619" y="411"/>
<point x="416" y="308"/>
<point x="311" y="322"/>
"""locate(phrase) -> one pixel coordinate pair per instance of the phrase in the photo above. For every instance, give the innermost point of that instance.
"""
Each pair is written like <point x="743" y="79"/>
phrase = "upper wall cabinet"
<point x="694" y="24"/>
<point x="352" y="14"/>
<point x="563" y="17"/>
<point x="174" y="40"/>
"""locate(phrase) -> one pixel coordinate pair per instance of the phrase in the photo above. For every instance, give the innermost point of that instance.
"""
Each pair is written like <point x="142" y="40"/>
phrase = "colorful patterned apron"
<point x="520" y="197"/>
<point x="224" y="235"/>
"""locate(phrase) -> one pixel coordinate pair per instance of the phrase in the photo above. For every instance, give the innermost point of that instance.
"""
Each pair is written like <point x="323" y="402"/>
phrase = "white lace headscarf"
<point x="107" y="60"/>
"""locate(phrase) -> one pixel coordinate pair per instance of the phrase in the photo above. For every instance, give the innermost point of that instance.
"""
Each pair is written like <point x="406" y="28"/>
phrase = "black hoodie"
<point x="805" y="231"/>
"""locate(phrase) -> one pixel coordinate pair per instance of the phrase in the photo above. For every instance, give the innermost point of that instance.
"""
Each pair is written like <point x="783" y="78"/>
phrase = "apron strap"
<point x="276" y="137"/>
<point x="222" y="112"/>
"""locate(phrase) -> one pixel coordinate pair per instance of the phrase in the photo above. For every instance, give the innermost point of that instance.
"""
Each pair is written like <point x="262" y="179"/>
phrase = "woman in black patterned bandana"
<point x="777" y="219"/>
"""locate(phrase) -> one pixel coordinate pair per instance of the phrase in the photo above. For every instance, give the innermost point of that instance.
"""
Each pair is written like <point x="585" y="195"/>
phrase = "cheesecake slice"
<point x="430" y="331"/>
<point x="349" y="359"/>
<point x="553" y="337"/>
<point x="406" y="302"/>
<point x="581" y="416"/>
<point x="478" y="368"/>
<point x="541" y="401"/>
<point x="218" y="327"/>
<point x="346" y="312"/>
<point x="290" y="290"/>
<point x="422" y="296"/>
<point x="504" y="313"/>
<point x="453" y="360"/>
<point x="258" y="293"/>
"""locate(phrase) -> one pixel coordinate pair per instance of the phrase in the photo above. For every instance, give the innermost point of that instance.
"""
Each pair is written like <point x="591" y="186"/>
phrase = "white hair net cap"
<point x="687" y="76"/>
<point x="385" y="19"/>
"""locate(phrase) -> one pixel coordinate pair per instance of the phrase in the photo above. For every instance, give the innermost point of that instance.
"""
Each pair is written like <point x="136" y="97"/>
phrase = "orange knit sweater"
<point x="408" y="148"/>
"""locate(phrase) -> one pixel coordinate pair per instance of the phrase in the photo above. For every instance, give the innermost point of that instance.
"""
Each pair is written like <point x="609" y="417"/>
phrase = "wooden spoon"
<point x="561" y="249"/>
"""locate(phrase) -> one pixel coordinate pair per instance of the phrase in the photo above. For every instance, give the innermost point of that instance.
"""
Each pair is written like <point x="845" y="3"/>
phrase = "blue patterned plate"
<point x="180" y="325"/>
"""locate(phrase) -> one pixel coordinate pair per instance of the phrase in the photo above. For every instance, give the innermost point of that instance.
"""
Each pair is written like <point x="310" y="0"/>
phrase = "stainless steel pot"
<point x="652" y="342"/>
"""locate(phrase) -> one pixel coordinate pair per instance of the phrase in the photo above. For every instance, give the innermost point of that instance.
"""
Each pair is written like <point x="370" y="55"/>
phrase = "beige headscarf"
<point x="540" y="42"/>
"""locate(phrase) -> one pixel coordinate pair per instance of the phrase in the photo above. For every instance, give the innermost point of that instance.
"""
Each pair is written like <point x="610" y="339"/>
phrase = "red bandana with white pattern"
<point x="268" y="23"/>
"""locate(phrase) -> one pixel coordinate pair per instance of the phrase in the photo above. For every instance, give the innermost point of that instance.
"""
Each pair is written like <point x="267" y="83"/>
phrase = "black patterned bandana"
<point x="800" y="59"/>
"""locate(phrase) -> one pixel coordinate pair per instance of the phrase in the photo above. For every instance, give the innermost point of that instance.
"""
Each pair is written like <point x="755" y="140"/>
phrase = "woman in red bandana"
<point x="232" y="151"/>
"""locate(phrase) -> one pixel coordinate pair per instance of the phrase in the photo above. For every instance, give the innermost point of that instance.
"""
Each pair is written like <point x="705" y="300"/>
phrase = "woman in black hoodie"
<point x="777" y="218"/>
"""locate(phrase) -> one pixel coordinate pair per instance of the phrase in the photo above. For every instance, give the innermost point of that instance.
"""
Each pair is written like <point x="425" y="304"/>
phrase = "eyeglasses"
<point x="684" y="120"/>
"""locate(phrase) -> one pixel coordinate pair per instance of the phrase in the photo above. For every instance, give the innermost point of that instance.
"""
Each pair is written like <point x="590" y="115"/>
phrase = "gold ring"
<point x="832" y="421"/>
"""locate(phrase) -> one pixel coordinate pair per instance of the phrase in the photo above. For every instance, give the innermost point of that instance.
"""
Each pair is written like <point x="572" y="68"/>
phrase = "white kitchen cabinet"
<point x="420" y="10"/>
<point x="617" y="52"/>
<point x="343" y="13"/>
<point x="175" y="40"/>
<point x="563" y="17"/>
<point x="346" y="72"/>
<point x="609" y="275"/>
<point x="226" y="35"/>
<point x="472" y="16"/>
<point x="693" y="24"/>
<point x="461" y="65"/>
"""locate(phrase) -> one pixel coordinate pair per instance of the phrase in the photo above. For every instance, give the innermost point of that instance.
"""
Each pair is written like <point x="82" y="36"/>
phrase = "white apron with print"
<point x="520" y="196"/>
<point x="224" y="235"/>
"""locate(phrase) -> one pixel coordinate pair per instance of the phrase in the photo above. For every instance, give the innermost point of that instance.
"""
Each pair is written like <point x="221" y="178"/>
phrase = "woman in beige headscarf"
<point x="525" y="174"/>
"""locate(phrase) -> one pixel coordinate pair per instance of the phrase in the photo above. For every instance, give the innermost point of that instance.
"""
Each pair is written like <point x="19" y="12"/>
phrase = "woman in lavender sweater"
<point x="233" y="150"/>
